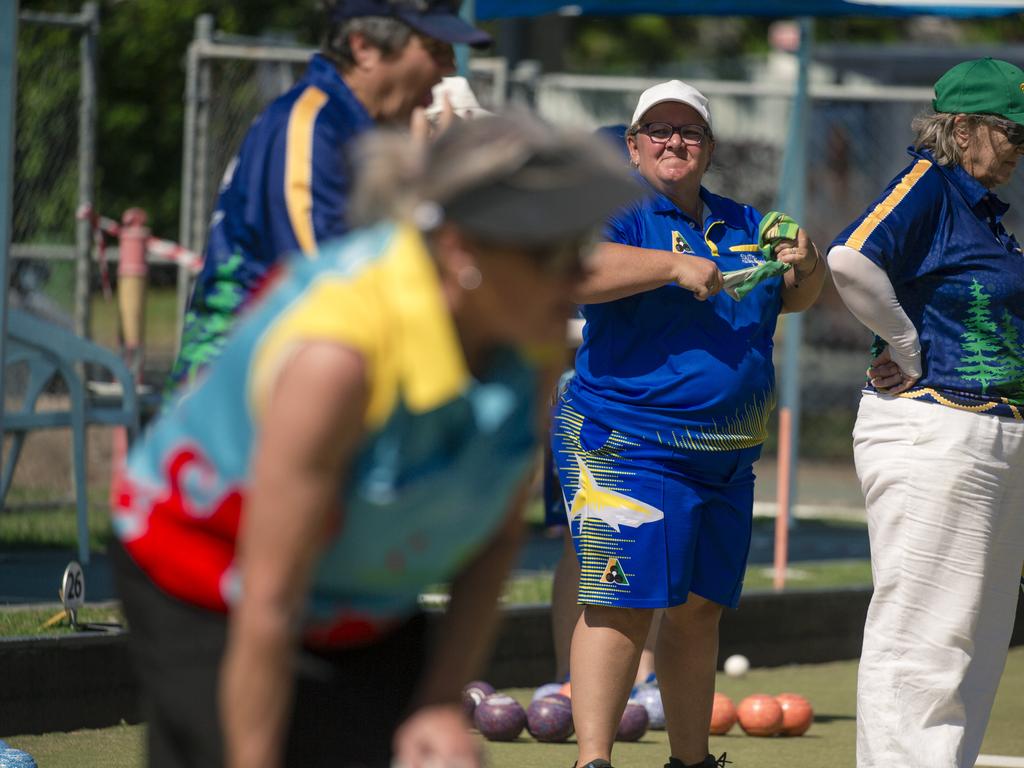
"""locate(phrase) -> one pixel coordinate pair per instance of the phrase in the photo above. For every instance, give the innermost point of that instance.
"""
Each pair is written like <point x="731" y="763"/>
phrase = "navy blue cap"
<point x="438" y="19"/>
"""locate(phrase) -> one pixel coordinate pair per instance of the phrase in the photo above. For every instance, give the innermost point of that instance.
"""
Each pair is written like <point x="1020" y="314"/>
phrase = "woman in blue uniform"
<point x="656" y="434"/>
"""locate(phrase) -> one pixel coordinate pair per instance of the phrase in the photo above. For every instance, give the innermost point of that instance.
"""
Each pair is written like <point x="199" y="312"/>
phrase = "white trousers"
<point x="944" y="490"/>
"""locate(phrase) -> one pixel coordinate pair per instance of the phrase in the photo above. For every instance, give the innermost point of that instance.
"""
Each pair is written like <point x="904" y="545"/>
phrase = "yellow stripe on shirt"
<point x="884" y="208"/>
<point x="298" y="166"/>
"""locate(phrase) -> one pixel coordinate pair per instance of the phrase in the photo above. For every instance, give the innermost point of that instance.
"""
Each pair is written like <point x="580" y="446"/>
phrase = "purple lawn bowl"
<point x="633" y="724"/>
<point x="560" y="697"/>
<point x="499" y="718"/>
<point x="549" y="718"/>
<point x="546" y="690"/>
<point x="473" y="694"/>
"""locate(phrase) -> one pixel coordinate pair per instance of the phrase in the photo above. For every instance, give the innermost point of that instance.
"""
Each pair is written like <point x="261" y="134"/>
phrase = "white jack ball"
<point x="737" y="665"/>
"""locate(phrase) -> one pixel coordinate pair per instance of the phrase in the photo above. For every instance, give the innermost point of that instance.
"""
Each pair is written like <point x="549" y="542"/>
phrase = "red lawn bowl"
<point x="760" y="715"/>
<point x="797" y="714"/>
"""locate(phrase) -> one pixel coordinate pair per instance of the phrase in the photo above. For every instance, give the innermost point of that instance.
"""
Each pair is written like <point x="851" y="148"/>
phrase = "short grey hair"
<point x="936" y="131"/>
<point x="383" y="32"/>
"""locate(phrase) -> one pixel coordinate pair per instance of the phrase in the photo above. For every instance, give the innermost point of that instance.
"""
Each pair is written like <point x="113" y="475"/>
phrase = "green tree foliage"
<point x="46" y="175"/>
<point x="654" y="45"/>
<point x="142" y="80"/>
<point x="142" y="47"/>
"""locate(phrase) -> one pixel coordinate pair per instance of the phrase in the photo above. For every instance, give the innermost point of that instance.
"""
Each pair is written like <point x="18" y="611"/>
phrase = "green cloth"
<point x="775" y="226"/>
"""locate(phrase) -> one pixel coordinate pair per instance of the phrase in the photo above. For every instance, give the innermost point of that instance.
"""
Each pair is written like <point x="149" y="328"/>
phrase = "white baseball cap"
<point x="673" y="90"/>
<point x="460" y="95"/>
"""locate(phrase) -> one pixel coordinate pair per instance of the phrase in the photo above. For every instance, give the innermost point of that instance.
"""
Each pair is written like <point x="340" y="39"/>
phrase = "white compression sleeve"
<point x="868" y="294"/>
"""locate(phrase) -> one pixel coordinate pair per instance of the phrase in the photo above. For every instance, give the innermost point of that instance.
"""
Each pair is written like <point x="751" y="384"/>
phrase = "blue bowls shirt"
<point x="664" y="367"/>
<point x="959" y="275"/>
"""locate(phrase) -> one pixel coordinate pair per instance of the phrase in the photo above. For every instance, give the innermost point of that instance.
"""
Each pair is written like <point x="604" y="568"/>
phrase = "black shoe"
<point x="708" y="762"/>
<point x="599" y="763"/>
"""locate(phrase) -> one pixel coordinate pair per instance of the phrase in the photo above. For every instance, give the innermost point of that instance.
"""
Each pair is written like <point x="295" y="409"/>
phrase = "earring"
<point x="469" y="278"/>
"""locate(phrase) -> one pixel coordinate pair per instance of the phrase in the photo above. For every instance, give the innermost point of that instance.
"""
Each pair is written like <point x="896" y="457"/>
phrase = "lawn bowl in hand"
<point x="633" y="724"/>
<point x="549" y="719"/>
<point x="473" y="694"/>
<point x="797" y="714"/>
<point x="760" y="715"/>
<point x="499" y="717"/>
<point x="650" y="698"/>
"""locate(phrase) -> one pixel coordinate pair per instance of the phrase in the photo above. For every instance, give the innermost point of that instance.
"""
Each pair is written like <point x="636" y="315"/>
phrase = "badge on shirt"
<point x="613" y="573"/>
<point x="679" y="244"/>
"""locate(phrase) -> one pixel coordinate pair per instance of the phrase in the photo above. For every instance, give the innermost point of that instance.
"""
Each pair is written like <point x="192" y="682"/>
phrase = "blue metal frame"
<point x="496" y="9"/>
<point x="8" y="82"/>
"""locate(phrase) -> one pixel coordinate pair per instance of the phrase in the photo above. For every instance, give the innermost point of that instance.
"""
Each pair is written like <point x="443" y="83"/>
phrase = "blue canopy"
<point x="495" y="9"/>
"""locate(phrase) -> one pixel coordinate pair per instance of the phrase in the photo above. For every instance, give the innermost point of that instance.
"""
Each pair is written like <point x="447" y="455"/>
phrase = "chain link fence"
<point x="229" y="81"/>
<point x="857" y="140"/>
<point x="54" y="163"/>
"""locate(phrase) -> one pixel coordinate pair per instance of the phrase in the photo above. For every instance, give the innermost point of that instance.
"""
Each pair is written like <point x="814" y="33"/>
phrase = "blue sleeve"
<point x="625" y="227"/>
<point x="270" y="203"/>
<point x="896" y="230"/>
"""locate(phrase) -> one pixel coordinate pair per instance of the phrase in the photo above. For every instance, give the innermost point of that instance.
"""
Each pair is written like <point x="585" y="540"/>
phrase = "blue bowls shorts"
<point x="652" y="524"/>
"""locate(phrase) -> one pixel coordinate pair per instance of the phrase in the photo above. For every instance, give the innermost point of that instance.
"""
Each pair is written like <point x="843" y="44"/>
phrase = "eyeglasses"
<point x="661" y="133"/>
<point x="1014" y="131"/>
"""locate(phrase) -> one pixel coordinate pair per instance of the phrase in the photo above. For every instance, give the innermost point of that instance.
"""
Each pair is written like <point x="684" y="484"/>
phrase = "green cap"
<point x="982" y="86"/>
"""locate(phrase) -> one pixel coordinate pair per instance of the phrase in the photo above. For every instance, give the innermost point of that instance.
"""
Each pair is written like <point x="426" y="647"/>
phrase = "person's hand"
<point x="887" y="377"/>
<point x="423" y="130"/>
<point x="419" y="127"/>
<point x="799" y="253"/>
<point x="697" y="274"/>
<point x="436" y="737"/>
<point x="445" y="118"/>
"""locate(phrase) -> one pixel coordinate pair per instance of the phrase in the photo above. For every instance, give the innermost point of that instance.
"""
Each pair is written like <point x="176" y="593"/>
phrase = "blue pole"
<point x="8" y="83"/>
<point x="468" y="12"/>
<point x="792" y="199"/>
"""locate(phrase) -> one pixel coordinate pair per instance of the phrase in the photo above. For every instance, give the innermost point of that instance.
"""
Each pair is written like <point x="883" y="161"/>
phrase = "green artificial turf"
<point x="828" y="744"/>
<point x="26" y="622"/>
<point x="118" y="747"/>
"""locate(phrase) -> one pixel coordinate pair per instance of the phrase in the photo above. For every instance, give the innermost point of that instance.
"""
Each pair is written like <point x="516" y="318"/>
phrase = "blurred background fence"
<point x="55" y="162"/>
<point x="858" y="135"/>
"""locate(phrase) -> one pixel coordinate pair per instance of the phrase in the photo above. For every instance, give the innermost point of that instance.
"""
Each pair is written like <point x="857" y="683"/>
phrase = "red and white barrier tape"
<point x="165" y="249"/>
